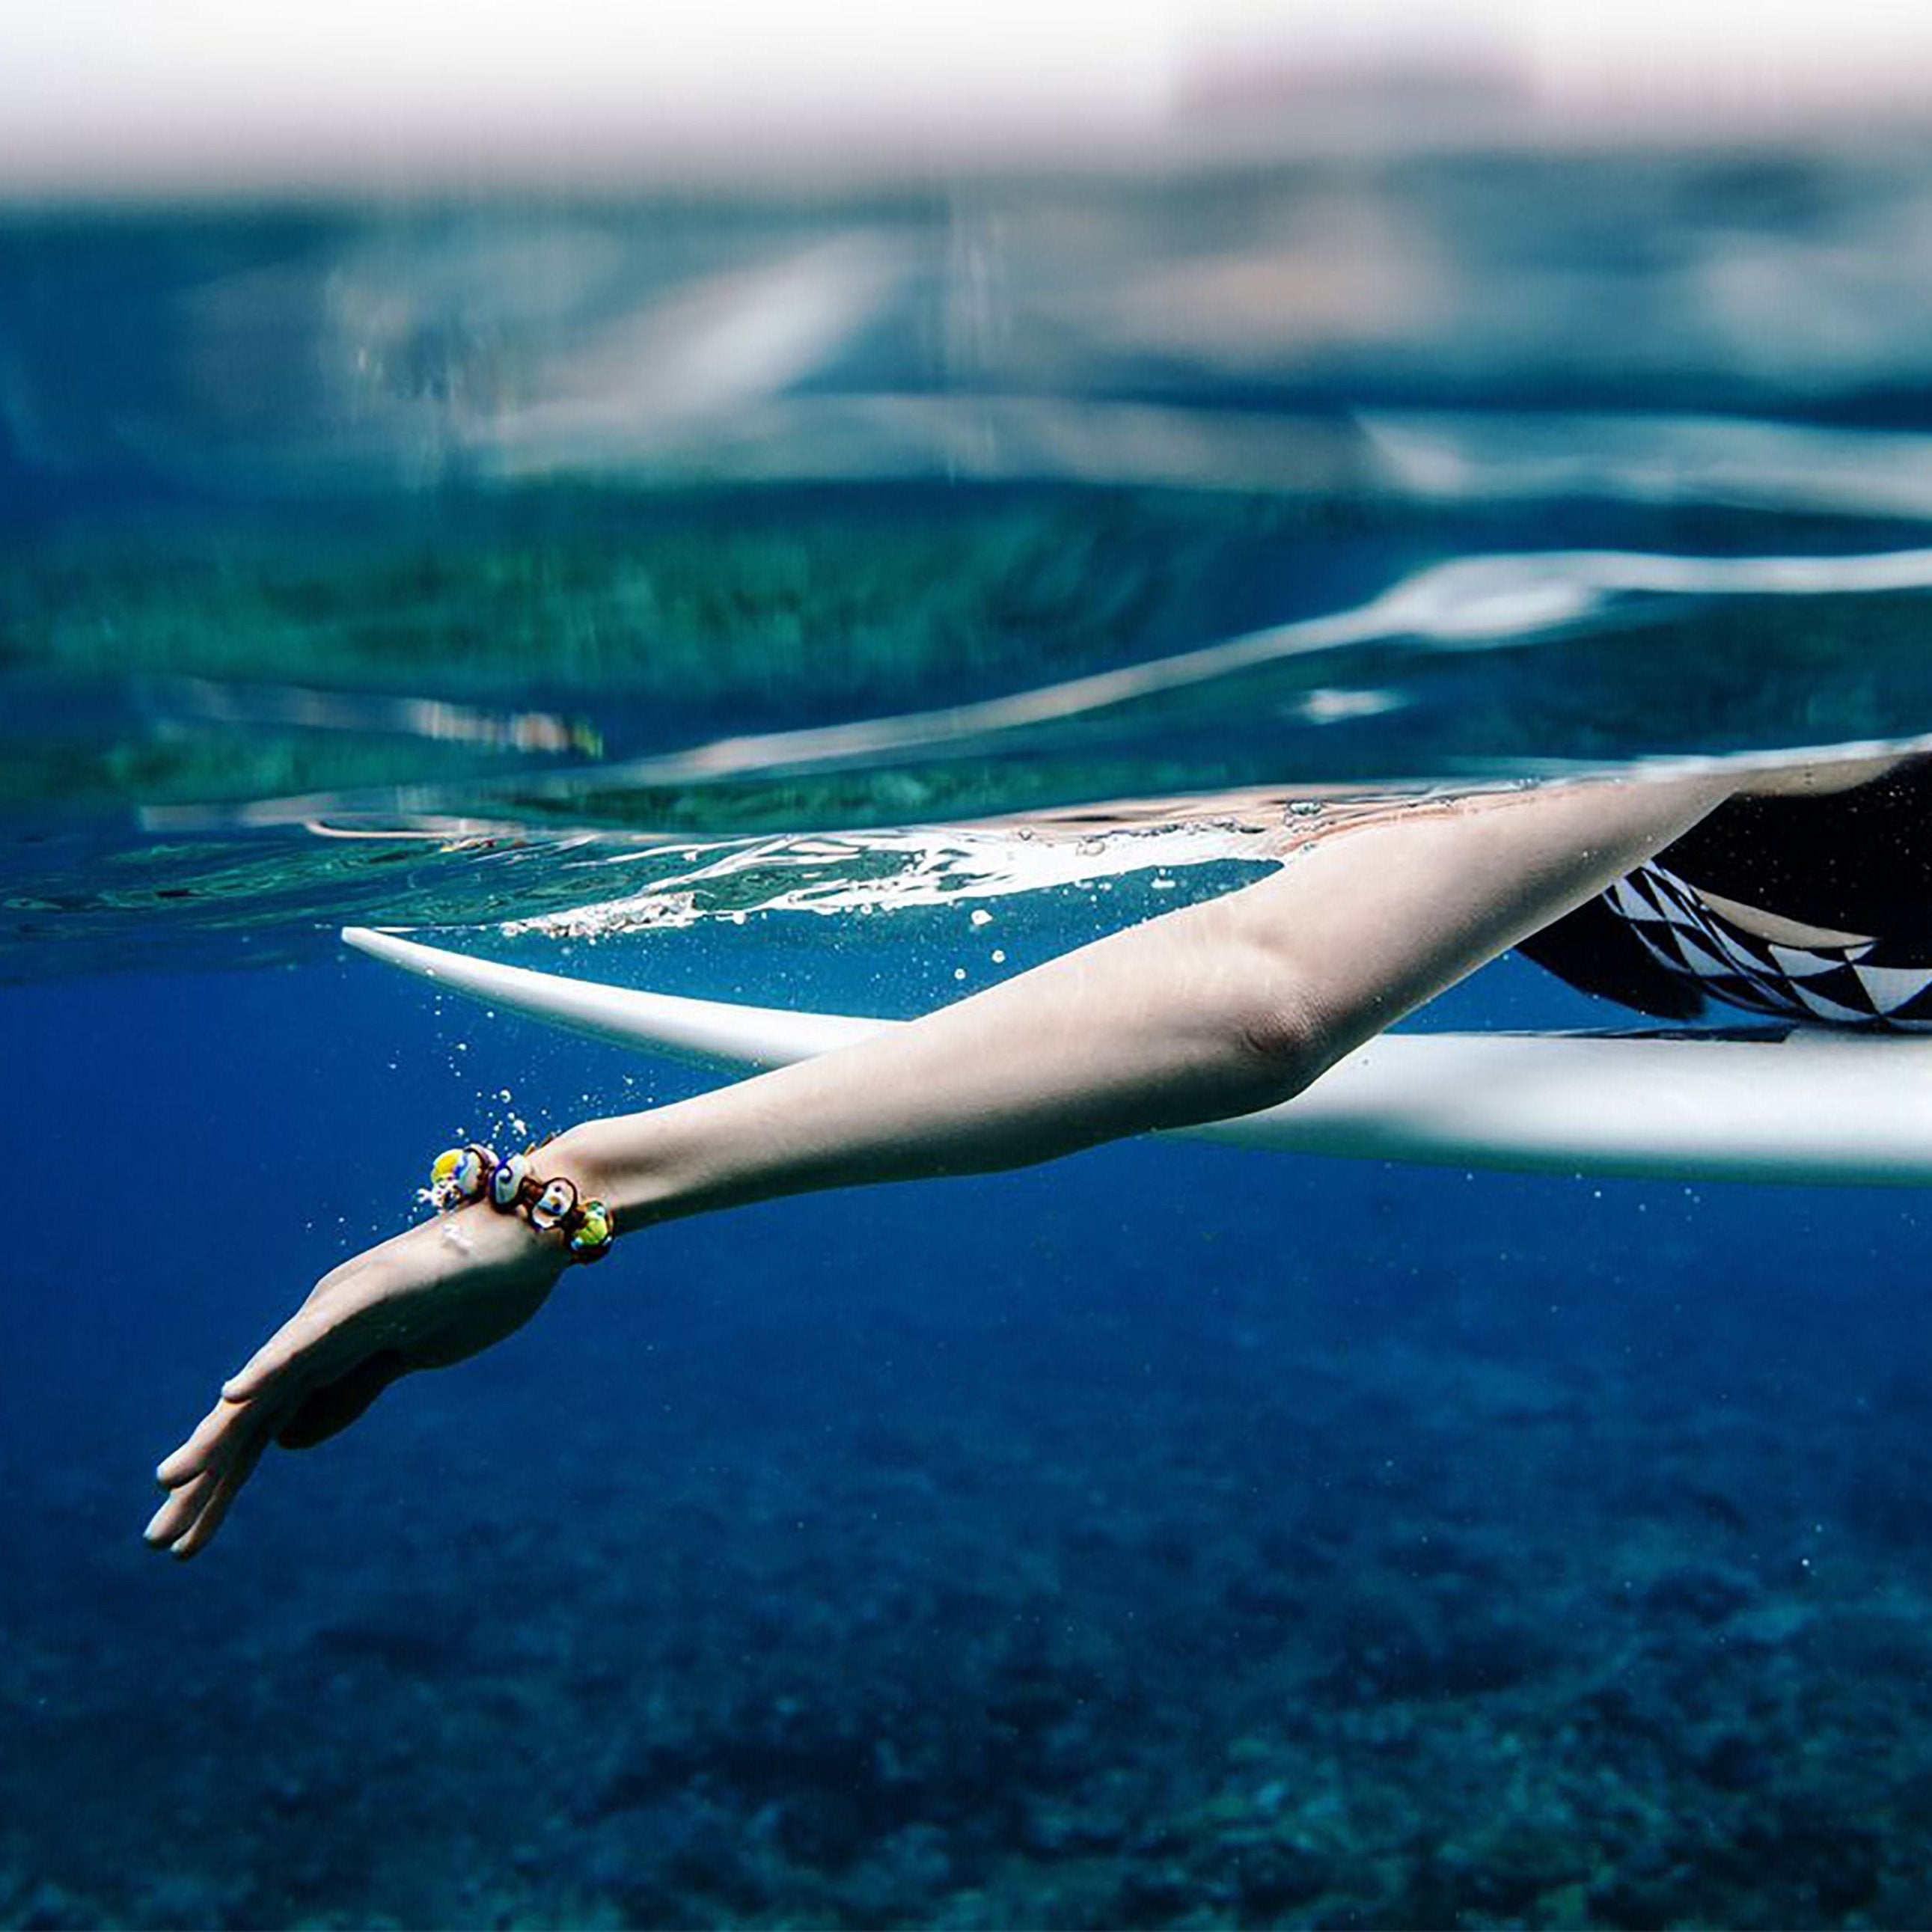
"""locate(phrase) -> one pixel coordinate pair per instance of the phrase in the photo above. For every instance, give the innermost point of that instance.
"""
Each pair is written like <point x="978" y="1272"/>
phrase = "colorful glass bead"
<point x="554" y="1205"/>
<point x="460" y="1174"/>
<point x="506" y="1183"/>
<point x="591" y="1239"/>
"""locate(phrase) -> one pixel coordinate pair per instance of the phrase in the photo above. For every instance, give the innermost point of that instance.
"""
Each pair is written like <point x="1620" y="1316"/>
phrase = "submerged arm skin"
<point x="1215" y="1010"/>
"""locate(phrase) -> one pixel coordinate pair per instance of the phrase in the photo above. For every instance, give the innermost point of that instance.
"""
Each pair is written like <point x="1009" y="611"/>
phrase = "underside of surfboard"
<point x="1789" y="1105"/>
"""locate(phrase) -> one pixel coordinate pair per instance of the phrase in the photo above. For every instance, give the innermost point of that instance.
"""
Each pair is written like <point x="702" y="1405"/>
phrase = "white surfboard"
<point x="1774" y="1104"/>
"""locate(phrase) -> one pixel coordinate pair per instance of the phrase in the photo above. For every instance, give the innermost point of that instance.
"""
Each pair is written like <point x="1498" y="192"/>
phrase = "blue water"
<point x="1177" y="1535"/>
<point x="1179" y="1531"/>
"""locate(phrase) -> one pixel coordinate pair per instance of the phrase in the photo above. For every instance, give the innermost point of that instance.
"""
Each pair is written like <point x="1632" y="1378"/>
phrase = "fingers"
<point x="206" y="1473"/>
<point x="295" y="1348"/>
<point x="323" y="1342"/>
<point x="172" y="1519"/>
<point x="214" y="1505"/>
<point x="210" y="1440"/>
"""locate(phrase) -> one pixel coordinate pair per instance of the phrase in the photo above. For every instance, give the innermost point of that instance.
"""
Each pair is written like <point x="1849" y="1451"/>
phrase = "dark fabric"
<point x="1858" y="861"/>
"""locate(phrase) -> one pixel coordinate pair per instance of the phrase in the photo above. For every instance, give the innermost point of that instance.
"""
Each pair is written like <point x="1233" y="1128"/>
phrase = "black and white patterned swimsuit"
<point x="1870" y="984"/>
<point x="1853" y="861"/>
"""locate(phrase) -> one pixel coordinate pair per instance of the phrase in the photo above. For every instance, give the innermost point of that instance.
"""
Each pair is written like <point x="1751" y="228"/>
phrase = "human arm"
<point x="1218" y="1009"/>
<point x="1215" y="1010"/>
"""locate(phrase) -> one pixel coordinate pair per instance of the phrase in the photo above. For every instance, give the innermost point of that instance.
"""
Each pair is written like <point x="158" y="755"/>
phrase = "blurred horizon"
<point x="106" y="99"/>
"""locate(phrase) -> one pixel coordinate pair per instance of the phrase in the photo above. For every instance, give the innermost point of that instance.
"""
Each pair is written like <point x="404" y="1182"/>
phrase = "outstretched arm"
<point x="1215" y="1010"/>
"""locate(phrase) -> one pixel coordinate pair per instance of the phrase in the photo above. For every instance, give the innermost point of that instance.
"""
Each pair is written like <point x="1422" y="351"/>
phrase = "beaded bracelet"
<point x="474" y="1173"/>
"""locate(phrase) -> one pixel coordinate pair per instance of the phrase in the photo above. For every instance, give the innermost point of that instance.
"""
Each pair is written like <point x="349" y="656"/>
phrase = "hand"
<point x="445" y="1291"/>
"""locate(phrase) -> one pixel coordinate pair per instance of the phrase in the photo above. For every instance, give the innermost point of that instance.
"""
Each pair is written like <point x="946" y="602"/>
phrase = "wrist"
<point x="627" y="1162"/>
<point x="523" y="1187"/>
<point x="585" y="1155"/>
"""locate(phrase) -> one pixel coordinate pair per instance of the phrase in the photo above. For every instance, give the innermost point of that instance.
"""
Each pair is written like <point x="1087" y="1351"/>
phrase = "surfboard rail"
<point x="1812" y="1105"/>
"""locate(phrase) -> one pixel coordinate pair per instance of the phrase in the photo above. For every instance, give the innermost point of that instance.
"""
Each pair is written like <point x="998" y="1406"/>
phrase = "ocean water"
<point x="850" y="599"/>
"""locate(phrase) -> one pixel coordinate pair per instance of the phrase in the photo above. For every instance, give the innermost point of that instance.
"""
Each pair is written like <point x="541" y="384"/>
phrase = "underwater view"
<point x="844" y="600"/>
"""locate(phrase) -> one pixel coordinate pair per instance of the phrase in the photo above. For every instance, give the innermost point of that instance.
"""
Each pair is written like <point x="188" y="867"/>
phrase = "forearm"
<point x="1212" y="1011"/>
<point x="1130" y="1033"/>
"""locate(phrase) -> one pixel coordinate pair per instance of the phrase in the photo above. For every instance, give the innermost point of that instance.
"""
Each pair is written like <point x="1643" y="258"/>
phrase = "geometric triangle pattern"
<point x="1869" y="984"/>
